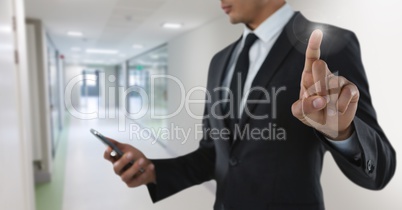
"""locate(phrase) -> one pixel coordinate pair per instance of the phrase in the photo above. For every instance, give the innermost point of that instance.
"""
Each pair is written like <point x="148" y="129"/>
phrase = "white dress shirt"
<point x="267" y="33"/>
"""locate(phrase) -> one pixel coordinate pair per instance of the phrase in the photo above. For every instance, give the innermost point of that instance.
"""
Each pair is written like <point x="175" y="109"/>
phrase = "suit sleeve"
<point x="174" y="175"/>
<point x="374" y="165"/>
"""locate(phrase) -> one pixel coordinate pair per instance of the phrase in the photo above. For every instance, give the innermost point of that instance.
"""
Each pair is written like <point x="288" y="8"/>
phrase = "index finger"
<point x="313" y="51"/>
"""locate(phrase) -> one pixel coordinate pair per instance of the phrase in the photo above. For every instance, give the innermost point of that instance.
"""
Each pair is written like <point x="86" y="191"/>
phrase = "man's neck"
<point x="265" y="13"/>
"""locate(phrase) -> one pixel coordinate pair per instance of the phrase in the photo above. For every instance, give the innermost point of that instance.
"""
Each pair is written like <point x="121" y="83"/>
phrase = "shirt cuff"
<point x="348" y="147"/>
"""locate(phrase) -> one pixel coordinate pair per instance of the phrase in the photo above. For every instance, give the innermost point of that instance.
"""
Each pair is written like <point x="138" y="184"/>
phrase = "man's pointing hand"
<point x="327" y="102"/>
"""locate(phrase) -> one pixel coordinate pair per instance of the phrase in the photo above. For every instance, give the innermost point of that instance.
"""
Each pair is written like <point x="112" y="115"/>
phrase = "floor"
<point x="87" y="181"/>
<point x="49" y="196"/>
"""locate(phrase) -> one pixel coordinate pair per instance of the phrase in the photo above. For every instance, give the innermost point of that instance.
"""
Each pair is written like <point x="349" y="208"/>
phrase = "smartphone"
<point x="107" y="142"/>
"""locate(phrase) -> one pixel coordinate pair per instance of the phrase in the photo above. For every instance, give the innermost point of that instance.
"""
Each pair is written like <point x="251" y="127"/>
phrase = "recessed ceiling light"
<point x="172" y="25"/>
<point x="76" y="49"/>
<point x="75" y="33"/>
<point x="138" y="46"/>
<point x="101" y="51"/>
<point x="94" y="61"/>
<point x="154" y="56"/>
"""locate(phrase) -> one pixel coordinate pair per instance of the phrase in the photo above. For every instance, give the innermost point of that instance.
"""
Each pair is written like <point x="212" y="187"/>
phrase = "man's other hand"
<point x="140" y="173"/>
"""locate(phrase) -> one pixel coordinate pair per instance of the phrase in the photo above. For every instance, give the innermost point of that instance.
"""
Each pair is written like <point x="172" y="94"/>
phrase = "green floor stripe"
<point x="49" y="196"/>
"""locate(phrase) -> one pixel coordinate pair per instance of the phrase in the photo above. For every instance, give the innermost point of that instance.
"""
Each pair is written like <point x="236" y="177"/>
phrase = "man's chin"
<point x="234" y="20"/>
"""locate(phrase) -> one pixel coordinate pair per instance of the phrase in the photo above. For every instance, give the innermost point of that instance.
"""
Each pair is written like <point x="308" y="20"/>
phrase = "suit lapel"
<point x="221" y="67"/>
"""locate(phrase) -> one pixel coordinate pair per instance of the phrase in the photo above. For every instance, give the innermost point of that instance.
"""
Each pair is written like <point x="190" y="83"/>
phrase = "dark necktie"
<point x="239" y="78"/>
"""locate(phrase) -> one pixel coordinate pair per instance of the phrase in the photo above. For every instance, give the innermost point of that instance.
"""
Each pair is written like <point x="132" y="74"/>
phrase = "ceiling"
<point x="117" y="24"/>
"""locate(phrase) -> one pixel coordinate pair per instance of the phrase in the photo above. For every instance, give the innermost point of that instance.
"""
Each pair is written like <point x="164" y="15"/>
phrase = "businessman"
<point x="281" y="74"/>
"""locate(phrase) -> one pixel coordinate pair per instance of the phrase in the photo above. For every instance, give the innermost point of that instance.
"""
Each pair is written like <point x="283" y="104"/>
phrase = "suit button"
<point x="370" y="166"/>
<point x="233" y="161"/>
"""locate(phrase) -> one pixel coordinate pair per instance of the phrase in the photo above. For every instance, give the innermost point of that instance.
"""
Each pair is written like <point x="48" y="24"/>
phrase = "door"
<point x="16" y="191"/>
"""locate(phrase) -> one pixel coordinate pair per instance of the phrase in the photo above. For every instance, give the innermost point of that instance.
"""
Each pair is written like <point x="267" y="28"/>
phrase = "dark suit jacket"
<point x="281" y="174"/>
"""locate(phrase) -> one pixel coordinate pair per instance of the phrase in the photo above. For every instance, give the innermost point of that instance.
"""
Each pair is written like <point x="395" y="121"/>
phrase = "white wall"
<point x="377" y="25"/>
<point x="189" y="56"/>
<point x="39" y="99"/>
<point x="71" y="72"/>
<point x="34" y="98"/>
<point x="16" y="175"/>
<point x="122" y="76"/>
<point x="108" y="86"/>
<point x="61" y="75"/>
